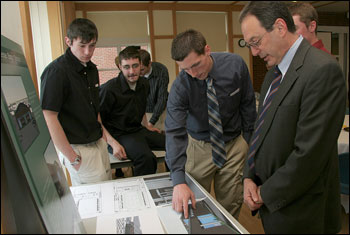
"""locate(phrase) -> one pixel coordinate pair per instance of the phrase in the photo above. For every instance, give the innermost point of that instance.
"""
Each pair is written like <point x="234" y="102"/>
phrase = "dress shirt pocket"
<point x="230" y="103"/>
<point x="235" y="92"/>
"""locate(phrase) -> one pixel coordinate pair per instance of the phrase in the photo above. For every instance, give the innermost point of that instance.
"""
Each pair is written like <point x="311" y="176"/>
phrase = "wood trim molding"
<point x="112" y="6"/>
<point x="175" y="33"/>
<point x="28" y="41"/>
<point x="207" y="7"/>
<point x="56" y="38"/>
<point x="176" y="6"/>
<point x="163" y="36"/>
<point x="174" y="22"/>
<point x="68" y="15"/>
<point x="230" y="31"/>
<point x="251" y="66"/>
<point x="155" y="6"/>
<point x="151" y="32"/>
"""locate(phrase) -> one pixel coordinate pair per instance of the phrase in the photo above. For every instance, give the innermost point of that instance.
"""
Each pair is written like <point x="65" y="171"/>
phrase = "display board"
<point x="27" y="150"/>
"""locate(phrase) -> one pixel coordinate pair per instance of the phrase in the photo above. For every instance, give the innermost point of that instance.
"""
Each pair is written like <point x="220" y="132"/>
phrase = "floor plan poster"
<point x="161" y="189"/>
<point x="111" y="197"/>
<point x="88" y="200"/>
<point x="130" y="196"/>
<point x="20" y="110"/>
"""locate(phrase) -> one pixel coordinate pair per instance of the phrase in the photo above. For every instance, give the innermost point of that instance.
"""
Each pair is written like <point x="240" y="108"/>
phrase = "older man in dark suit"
<point x="291" y="176"/>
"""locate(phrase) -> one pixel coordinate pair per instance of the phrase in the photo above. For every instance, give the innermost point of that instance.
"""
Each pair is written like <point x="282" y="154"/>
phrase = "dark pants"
<point x="138" y="147"/>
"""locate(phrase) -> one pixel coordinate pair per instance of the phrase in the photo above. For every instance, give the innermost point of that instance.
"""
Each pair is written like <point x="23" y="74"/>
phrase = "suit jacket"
<point x="297" y="158"/>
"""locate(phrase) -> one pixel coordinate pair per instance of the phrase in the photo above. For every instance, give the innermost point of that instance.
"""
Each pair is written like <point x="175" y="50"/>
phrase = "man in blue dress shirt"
<point x="187" y="129"/>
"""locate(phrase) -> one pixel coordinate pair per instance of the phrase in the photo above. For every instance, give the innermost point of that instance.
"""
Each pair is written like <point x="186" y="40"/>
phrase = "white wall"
<point x="11" y="26"/>
<point x="41" y="36"/>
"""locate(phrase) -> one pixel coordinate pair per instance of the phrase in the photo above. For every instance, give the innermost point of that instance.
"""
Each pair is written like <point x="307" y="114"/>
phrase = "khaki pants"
<point x="228" y="184"/>
<point x="95" y="165"/>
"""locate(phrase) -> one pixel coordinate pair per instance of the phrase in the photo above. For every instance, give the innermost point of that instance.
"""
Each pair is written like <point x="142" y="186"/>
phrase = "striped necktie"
<point x="267" y="103"/>
<point x="215" y="126"/>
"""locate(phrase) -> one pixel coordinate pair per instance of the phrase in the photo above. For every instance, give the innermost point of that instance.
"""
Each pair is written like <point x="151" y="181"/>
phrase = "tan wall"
<point x="120" y="27"/>
<point x="163" y="47"/>
<point x="163" y="23"/>
<point x="211" y="25"/>
<point x="158" y="24"/>
<point x="163" y="26"/>
<point x="244" y="52"/>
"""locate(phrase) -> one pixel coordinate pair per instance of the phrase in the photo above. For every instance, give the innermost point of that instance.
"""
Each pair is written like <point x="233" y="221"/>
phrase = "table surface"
<point x="198" y="190"/>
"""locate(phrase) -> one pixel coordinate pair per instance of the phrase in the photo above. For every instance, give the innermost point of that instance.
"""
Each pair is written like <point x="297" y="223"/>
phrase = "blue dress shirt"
<point x="187" y="111"/>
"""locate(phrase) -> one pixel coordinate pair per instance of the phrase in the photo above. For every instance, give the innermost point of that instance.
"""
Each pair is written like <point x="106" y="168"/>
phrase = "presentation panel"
<point x="28" y="133"/>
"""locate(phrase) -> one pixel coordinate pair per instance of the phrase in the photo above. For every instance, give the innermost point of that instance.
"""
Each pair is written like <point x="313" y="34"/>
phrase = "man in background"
<point x="70" y="103"/>
<point x="123" y="107"/>
<point x="158" y="77"/>
<point x="306" y="21"/>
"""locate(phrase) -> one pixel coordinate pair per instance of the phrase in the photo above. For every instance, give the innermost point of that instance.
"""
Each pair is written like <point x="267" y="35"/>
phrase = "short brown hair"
<point x="130" y="52"/>
<point x="82" y="28"/>
<point x="145" y="57"/>
<point x="186" y="42"/>
<point x="116" y="60"/>
<point x="306" y="12"/>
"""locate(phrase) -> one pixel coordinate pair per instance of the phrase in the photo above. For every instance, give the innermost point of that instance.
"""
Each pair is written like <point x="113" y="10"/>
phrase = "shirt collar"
<point x="76" y="63"/>
<point x="149" y="73"/>
<point x="124" y="83"/>
<point x="318" y="44"/>
<point x="212" y="70"/>
<point x="287" y="59"/>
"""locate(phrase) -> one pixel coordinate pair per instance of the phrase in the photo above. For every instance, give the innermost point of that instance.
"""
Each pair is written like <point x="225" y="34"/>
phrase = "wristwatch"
<point x="77" y="160"/>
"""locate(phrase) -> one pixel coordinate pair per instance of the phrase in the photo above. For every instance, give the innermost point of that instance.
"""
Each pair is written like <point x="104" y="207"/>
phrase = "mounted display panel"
<point x="28" y="155"/>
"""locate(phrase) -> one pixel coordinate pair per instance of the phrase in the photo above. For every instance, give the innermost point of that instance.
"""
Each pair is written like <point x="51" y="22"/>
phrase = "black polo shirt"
<point x="121" y="108"/>
<point x="71" y="89"/>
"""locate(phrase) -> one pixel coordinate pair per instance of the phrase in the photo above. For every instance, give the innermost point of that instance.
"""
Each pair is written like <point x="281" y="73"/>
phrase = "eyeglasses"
<point x="255" y="44"/>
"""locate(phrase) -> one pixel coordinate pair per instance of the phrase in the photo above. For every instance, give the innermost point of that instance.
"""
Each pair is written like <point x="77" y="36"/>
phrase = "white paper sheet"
<point x="131" y="196"/>
<point x="110" y="198"/>
<point x="171" y="220"/>
<point x="88" y="200"/>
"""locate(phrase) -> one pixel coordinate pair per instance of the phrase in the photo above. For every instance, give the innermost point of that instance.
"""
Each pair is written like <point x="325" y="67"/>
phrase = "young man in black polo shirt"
<point x="123" y="105"/>
<point x="70" y="103"/>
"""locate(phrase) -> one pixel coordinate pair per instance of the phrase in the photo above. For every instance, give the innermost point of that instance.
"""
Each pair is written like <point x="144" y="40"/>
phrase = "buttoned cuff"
<point x="272" y="206"/>
<point x="178" y="177"/>
<point x="153" y="120"/>
<point x="247" y="136"/>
